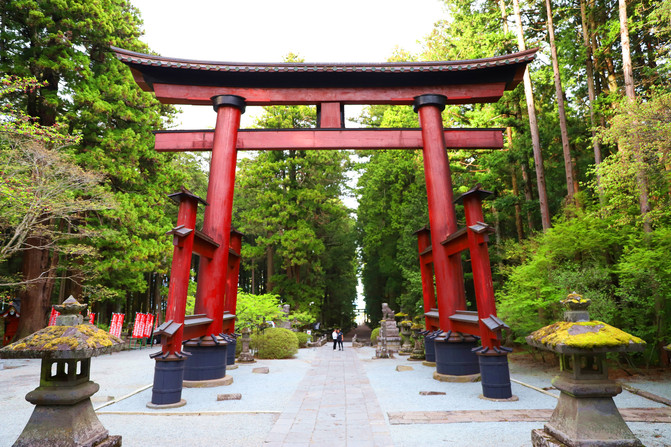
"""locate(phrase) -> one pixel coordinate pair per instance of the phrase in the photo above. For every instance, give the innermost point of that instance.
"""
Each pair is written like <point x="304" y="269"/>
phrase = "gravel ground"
<point x="248" y="421"/>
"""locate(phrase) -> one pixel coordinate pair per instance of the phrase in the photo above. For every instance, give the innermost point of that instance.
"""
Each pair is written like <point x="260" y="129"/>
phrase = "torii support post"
<point x="169" y="368"/>
<point x="454" y="358"/>
<point x="207" y="365"/>
<point x="493" y="358"/>
<point x="232" y="297"/>
<point x="212" y="277"/>
<point x="442" y="217"/>
<point x="232" y="282"/>
<point x="426" y="270"/>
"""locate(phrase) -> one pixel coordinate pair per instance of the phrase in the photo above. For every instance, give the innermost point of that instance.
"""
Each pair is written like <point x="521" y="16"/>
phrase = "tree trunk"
<point x="35" y="299"/>
<point x="641" y="177"/>
<point x="527" y="194"/>
<point x="533" y="125"/>
<point x="516" y="191"/>
<point x="269" y="268"/>
<point x="591" y="92"/>
<point x="504" y="16"/>
<point x="566" y="149"/>
<point x="626" y="53"/>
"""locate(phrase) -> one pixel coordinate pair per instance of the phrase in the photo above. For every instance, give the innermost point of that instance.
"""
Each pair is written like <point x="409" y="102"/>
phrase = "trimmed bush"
<point x="302" y="339"/>
<point x="276" y="343"/>
<point x="373" y="335"/>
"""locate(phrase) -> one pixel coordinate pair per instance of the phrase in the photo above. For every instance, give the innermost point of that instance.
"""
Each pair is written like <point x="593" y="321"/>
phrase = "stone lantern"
<point x="586" y="414"/>
<point x="246" y="356"/>
<point x="63" y="414"/>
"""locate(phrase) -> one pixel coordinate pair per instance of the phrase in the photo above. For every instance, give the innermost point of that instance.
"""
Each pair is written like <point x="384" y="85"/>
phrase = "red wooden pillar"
<point x="183" y="237"/>
<point x="217" y="220"/>
<point x="482" y="274"/>
<point x="447" y="269"/>
<point x="232" y="280"/>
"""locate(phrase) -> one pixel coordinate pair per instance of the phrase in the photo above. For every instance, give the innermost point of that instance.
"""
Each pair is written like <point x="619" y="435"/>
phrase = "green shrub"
<point x="302" y="339"/>
<point x="275" y="343"/>
<point x="373" y="335"/>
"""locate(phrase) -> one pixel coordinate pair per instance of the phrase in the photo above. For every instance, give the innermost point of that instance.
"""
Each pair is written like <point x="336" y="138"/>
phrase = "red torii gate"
<point x="229" y="88"/>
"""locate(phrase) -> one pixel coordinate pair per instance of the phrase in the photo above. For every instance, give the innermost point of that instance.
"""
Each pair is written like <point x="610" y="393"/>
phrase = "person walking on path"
<point x="340" y="335"/>
<point x="334" y="335"/>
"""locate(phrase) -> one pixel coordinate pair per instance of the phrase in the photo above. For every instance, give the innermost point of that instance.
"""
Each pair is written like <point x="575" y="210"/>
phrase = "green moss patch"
<point x="583" y="335"/>
<point x="65" y="338"/>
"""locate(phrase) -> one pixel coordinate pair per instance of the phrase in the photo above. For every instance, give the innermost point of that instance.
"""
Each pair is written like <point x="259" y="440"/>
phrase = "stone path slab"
<point x="334" y="405"/>
<point x="652" y="415"/>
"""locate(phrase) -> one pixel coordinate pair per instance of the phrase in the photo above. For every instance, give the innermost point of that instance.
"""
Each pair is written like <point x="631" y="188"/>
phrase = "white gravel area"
<point x="247" y="422"/>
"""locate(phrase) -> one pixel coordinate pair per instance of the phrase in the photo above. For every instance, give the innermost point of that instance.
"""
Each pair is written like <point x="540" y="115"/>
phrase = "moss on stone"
<point x="583" y="335"/>
<point x="60" y="338"/>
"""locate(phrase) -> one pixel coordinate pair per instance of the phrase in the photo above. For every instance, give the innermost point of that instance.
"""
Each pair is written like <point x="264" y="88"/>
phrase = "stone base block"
<point x="181" y="403"/>
<point x="224" y="381"/>
<point x="429" y="364"/>
<point x="541" y="438"/>
<point x="512" y="398"/>
<point x="457" y="379"/>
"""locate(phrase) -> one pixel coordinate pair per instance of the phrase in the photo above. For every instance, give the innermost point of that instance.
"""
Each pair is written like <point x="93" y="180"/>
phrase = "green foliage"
<point x="275" y="343"/>
<point x="253" y="310"/>
<point x="302" y="339"/>
<point x="375" y="333"/>
<point x="16" y="122"/>
<point x="84" y="88"/>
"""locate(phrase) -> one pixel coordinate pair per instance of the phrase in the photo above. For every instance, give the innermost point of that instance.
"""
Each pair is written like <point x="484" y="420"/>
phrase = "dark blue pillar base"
<point x="495" y="376"/>
<point x="207" y="360"/>
<point x="232" y="341"/>
<point x="429" y="346"/>
<point x="168" y="377"/>
<point x="455" y="356"/>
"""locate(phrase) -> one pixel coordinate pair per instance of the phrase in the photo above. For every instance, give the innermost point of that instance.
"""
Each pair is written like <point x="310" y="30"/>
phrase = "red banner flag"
<point x="117" y="324"/>
<point x="52" y="317"/>
<point x="92" y="318"/>
<point x="138" y="327"/>
<point x="148" y="323"/>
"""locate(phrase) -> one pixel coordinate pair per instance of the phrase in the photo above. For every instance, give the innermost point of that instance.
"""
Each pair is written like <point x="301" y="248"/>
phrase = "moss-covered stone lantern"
<point x="586" y="414"/>
<point x="63" y="413"/>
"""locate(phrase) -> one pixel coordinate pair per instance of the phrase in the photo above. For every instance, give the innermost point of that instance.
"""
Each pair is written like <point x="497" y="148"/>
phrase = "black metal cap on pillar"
<point x="429" y="100"/>
<point x="229" y="100"/>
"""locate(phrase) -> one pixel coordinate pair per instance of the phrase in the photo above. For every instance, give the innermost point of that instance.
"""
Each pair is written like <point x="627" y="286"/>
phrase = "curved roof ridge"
<point x="150" y="59"/>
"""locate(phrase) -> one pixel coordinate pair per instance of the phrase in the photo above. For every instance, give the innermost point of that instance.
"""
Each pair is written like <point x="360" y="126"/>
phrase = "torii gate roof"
<point x="183" y="81"/>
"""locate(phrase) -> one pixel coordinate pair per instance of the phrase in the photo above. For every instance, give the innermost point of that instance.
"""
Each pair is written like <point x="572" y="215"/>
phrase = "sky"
<point x="267" y="30"/>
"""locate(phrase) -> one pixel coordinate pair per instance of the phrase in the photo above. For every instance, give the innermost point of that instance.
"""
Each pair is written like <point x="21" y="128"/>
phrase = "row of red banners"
<point x="142" y="328"/>
<point x="143" y="325"/>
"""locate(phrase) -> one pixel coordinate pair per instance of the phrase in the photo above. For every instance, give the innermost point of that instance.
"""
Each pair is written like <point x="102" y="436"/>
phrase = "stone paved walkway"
<point x="334" y="405"/>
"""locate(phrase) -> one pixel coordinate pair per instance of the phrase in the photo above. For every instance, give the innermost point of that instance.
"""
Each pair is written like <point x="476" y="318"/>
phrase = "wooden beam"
<point x="201" y="140"/>
<point x="259" y="96"/>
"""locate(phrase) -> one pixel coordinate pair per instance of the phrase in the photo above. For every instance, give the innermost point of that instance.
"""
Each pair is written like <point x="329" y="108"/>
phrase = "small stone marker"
<point x="432" y="393"/>
<point x="232" y="396"/>
<point x="404" y="368"/>
<point x="261" y="370"/>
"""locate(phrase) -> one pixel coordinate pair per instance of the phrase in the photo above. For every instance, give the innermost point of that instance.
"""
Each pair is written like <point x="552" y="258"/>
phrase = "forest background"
<point x="581" y="190"/>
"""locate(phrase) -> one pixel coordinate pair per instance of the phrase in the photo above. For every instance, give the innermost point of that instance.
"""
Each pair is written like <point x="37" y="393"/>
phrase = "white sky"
<point x="267" y="30"/>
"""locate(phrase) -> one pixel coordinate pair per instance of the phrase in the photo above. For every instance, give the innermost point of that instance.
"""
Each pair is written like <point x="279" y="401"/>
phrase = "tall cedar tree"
<point x="66" y="44"/>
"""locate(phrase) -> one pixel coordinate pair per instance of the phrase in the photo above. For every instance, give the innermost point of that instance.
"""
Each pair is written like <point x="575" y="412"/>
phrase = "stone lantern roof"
<point x="70" y="338"/>
<point x="580" y="335"/>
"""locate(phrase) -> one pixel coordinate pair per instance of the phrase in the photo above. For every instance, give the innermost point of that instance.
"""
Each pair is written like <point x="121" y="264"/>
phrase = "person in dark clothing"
<point x="340" y="348"/>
